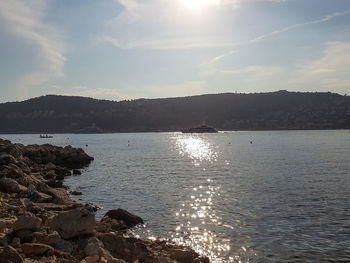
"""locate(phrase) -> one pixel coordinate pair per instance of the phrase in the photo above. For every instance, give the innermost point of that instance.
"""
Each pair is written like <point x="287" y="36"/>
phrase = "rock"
<point x="10" y="255"/>
<point x="121" y="214"/>
<point x="92" y="259"/>
<point x="14" y="208"/>
<point x="107" y="224"/>
<point x="123" y="247"/>
<point x="3" y="240"/>
<point x="8" y="185"/>
<point x="5" y="159"/>
<point x="65" y="246"/>
<point x="76" y="172"/>
<point x="6" y="223"/>
<point x="31" y="189"/>
<point x="73" y="223"/>
<point x="41" y="197"/>
<point x="26" y="222"/>
<point x="16" y="242"/>
<point x="51" y="239"/>
<point x="60" y="195"/>
<point x="69" y="157"/>
<point x="75" y="192"/>
<point x="14" y="172"/>
<point x="36" y="248"/>
<point x="93" y="246"/>
<point x="182" y="255"/>
<point x="26" y="235"/>
<point x="25" y="202"/>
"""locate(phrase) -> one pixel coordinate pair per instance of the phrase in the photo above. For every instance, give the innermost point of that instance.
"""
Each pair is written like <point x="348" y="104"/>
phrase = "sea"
<point x="245" y="196"/>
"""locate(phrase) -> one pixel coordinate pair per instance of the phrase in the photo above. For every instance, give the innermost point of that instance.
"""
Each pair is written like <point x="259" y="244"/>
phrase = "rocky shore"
<point x="39" y="222"/>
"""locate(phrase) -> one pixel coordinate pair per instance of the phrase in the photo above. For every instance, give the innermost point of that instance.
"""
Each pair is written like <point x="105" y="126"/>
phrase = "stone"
<point x="59" y="195"/>
<point x="16" y="242"/>
<point x="93" y="246"/>
<point x="36" y="249"/>
<point x="31" y="189"/>
<point x="10" y="255"/>
<point x="73" y="223"/>
<point x="25" y="202"/>
<point x="74" y="192"/>
<point x="121" y="214"/>
<point x="64" y="246"/>
<point x="76" y="172"/>
<point x="26" y="235"/>
<point x="51" y="239"/>
<point x="9" y="185"/>
<point x="183" y="255"/>
<point x="123" y="247"/>
<point x="3" y="240"/>
<point x="6" y="223"/>
<point x="92" y="259"/>
<point x="107" y="224"/>
<point x="5" y="159"/>
<point x="26" y="222"/>
<point x="41" y="197"/>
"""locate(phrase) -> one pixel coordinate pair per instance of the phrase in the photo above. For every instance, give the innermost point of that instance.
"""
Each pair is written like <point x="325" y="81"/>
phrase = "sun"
<point x="198" y="4"/>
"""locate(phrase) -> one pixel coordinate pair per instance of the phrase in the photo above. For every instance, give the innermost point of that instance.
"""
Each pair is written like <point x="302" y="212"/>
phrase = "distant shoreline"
<point x="220" y="131"/>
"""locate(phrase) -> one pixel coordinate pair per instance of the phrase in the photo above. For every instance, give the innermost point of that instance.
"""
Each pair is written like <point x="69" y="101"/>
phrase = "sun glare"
<point x="198" y="4"/>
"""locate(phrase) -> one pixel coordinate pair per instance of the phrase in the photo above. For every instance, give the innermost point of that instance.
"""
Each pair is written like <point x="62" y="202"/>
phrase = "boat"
<point x="45" y="136"/>
<point x="200" y="129"/>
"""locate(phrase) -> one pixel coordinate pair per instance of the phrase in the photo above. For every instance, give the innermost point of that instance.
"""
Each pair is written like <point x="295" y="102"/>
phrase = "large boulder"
<point x="9" y="185"/>
<point x="107" y="224"/>
<point x="73" y="158"/>
<point x="9" y="255"/>
<point x="73" y="223"/>
<point x="36" y="249"/>
<point x="122" y="247"/>
<point x="5" y="159"/>
<point x="26" y="222"/>
<point x="121" y="214"/>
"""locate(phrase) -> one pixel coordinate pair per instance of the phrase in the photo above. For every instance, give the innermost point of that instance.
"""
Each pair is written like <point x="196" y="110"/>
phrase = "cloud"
<point x="253" y="70"/>
<point x="274" y="33"/>
<point x="159" y="24"/>
<point x="187" y="88"/>
<point x="25" y="19"/>
<point x="99" y="93"/>
<point x="331" y="72"/>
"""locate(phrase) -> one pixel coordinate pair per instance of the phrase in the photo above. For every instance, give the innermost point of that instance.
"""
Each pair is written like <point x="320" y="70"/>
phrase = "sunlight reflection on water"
<point x="196" y="217"/>
<point x="195" y="147"/>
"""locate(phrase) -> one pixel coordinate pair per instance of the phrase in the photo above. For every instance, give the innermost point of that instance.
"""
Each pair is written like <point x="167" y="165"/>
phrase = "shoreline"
<point x="178" y="131"/>
<point x="39" y="222"/>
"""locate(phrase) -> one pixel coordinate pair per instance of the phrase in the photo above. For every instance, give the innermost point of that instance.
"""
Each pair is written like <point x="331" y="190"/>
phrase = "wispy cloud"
<point x="276" y="32"/>
<point x="98" y="93"/>
<point x="25" y="19"/>
<point x="187" y="88"/>
<point x="330" y="72"/>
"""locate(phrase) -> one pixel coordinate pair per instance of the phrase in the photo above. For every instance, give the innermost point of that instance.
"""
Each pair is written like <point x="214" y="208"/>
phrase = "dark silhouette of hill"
<point x="228" y="111"/>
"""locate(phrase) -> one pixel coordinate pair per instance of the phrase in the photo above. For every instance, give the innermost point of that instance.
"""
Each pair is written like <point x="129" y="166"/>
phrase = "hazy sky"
<point x="125" y="49"/>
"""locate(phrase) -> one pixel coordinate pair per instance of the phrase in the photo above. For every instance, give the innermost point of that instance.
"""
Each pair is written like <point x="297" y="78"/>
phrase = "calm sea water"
<point x="281" y="196"/>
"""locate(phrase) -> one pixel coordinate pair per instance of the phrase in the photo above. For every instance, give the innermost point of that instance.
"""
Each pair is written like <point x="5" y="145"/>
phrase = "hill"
<point x="228" y="111"/>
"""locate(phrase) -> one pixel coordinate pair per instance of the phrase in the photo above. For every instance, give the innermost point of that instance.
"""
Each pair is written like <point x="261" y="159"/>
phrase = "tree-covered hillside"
<point x="260" y="111"/>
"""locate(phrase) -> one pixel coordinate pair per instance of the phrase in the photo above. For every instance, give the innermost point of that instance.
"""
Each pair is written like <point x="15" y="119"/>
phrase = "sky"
<point x="129" y="49"/>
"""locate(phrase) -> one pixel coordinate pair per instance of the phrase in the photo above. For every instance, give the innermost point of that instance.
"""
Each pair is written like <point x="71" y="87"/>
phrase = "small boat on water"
<point x="45" y="136"/>
<point x="200" y="129"/>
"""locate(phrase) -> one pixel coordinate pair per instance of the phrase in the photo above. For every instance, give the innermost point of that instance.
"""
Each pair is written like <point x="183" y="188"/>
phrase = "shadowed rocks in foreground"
<point x="40" y="223"/>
